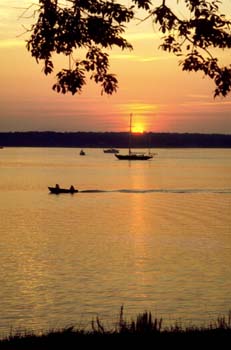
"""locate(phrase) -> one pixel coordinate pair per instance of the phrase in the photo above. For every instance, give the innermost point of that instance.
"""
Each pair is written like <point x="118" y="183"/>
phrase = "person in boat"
<point x="57" y="187"/>
<point x="72" y="189"/>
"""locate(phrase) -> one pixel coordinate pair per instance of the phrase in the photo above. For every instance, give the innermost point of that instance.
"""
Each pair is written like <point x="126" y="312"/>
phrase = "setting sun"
<point x="138" y="128"/>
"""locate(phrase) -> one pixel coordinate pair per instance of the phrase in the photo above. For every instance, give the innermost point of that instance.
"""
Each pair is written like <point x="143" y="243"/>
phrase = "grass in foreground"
<point x="144" y="331"/>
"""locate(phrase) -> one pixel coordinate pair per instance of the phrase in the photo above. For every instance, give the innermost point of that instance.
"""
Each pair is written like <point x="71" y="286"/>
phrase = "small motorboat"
<point x="58" y="190"/>
<point x="82" y="153"/>
<point x="111" y="150"/>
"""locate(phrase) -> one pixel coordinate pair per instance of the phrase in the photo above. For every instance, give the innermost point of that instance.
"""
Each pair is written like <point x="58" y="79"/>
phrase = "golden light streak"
<point x="138" y="128"/>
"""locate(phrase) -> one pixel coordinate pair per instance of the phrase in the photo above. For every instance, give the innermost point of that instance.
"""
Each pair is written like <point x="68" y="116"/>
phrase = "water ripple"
<point x="183" y="190"/>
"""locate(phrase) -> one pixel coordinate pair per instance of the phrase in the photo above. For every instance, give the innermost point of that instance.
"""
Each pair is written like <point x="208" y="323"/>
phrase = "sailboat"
<point x="133" y="155"/>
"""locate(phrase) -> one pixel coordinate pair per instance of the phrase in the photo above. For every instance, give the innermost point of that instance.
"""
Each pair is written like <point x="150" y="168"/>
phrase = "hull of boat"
<point x="133" y="156"/>
<point x="55" y="190"/>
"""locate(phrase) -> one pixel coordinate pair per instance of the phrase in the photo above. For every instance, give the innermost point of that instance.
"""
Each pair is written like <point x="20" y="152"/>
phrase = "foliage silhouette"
<point x="145" y="331"/>
<point x="97" y="25"/>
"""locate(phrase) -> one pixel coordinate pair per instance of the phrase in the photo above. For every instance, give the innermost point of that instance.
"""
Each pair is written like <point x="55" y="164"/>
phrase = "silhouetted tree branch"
<point x="96" y="25"/>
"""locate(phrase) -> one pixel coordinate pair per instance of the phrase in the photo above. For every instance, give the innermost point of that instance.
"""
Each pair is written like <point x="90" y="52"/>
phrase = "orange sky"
<point x="152" y="86"/>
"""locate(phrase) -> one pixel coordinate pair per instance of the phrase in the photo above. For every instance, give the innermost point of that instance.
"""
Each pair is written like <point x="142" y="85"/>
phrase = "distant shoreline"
<point x="113" y="139"/>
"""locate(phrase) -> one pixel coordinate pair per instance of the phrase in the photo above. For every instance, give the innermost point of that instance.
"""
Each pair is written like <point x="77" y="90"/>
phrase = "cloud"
<point x="143" y="36"/>
<point x="139" y="58"/>
<point x="7" y="43"/>
<point x="214" y="104"/>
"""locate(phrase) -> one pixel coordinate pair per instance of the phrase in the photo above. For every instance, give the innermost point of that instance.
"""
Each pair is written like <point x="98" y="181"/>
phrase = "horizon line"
<point x="117" y="132"/>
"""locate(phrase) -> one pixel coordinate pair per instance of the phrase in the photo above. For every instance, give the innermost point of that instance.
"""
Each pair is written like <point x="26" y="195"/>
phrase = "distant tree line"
<point x="113" y="139"/>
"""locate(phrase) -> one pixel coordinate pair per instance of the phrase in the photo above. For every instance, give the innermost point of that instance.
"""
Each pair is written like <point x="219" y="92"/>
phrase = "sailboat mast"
<point x="130" y="133"/>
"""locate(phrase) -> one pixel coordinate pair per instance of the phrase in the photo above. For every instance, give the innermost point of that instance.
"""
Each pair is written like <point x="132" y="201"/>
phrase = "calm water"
<point x="157" y="238"/>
